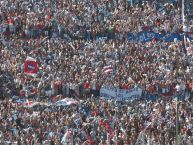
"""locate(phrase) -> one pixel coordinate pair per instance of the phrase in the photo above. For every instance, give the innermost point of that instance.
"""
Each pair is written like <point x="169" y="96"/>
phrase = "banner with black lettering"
<point x="120" y="94"/>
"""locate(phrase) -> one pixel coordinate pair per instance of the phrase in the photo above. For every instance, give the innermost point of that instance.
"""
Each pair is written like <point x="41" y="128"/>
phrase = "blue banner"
<point x="146" y="36"/>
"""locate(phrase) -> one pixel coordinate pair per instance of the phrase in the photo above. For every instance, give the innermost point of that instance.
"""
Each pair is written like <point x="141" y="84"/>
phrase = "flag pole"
<point x="177" y="120"/>
<point x="183" y="23"/>
<point x="183" y="18"/>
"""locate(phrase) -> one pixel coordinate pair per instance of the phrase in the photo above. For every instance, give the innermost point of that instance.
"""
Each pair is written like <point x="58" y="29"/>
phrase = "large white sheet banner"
<point x="120" y="94"/>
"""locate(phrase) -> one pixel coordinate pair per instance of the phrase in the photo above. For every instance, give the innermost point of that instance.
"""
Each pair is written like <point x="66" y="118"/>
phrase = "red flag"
<point x="109" y="129"/>
<point x="90" y="140"/>
<point x="107" y="126"/>
<point x="30" y="66"/>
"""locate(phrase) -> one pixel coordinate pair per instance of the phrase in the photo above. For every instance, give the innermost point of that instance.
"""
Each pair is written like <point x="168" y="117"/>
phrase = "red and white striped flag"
<point x="107" y="69"/>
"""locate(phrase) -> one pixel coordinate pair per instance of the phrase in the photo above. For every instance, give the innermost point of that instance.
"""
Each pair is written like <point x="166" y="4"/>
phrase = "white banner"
<point x="66" y="102"/>
<point x="120" y="94"/>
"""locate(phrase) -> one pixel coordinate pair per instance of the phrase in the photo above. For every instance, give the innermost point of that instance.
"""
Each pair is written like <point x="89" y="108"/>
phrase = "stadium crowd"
<point x="73" y="41"/>
<point x="95" y="121"/>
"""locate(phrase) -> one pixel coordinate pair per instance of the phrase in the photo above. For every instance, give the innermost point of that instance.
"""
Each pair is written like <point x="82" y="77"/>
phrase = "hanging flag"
<point x="31" y="66"/>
